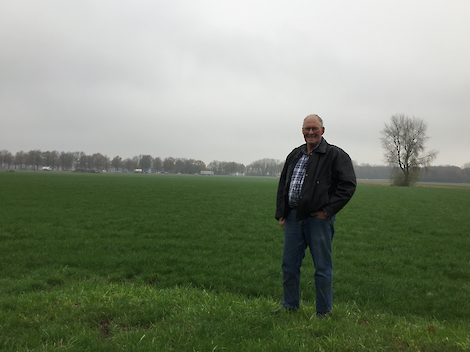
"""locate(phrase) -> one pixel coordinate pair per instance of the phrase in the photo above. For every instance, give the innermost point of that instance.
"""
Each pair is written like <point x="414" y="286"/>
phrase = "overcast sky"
<point x="231" y="80"/>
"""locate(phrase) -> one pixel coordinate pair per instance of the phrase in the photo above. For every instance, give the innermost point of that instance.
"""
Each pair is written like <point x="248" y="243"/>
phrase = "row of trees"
<point x="403" y="141"/>
<point x="448" y="173"/>
<point x="72" y="161"/>
<point x="35" y="159"/>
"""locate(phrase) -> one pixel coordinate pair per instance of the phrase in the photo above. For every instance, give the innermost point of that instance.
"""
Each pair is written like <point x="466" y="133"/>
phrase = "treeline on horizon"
<point x="79" y="161"/>
<point x="447" y="173"/>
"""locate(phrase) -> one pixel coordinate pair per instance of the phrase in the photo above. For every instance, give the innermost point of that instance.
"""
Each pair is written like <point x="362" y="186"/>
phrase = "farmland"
<point x="112" y="262"/>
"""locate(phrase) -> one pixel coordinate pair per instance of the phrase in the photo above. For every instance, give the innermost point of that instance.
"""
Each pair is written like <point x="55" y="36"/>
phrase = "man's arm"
<point x="280" y="193"/>
<point x="345" y="184"/>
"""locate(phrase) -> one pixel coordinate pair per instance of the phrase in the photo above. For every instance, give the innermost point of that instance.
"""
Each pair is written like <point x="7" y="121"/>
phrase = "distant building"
<point x="207" y="172"/>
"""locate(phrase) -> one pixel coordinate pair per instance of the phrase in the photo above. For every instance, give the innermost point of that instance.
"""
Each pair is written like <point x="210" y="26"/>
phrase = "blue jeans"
<point x="316" y="234"/>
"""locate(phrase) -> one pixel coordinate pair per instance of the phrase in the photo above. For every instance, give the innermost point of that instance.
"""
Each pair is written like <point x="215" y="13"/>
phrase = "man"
<point x="316" y="182"/>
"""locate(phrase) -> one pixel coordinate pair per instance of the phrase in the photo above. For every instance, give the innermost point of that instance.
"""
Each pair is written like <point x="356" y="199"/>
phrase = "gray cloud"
<point x="230" y="80"/>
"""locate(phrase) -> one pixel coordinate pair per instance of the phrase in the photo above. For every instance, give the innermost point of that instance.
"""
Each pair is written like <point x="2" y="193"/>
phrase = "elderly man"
<point x="316" y="182"/>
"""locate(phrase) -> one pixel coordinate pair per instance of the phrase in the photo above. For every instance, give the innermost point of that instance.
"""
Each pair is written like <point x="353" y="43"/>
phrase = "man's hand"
<point x="282" y="222"/>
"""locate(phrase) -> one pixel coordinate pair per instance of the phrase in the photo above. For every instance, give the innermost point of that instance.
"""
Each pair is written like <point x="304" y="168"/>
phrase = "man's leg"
<point x="292" y="256"/>
<point x="319" y="235"/>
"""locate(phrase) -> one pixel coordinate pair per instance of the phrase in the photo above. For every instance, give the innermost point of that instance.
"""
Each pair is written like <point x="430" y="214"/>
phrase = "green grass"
<point x="142" y="262"/>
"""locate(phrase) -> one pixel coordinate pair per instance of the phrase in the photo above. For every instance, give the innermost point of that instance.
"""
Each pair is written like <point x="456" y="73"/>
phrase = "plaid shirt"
<point x="298" y="176"/>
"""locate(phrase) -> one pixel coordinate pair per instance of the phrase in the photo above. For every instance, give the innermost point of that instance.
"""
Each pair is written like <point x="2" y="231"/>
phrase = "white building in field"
<point x="207" y="172"/>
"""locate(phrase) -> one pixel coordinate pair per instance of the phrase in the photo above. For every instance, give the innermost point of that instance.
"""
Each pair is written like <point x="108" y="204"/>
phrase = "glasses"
<point x="313" y="129"/>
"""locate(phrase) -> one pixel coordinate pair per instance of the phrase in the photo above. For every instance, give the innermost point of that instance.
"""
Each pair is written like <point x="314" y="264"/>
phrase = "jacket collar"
<point x="320" y="148"/>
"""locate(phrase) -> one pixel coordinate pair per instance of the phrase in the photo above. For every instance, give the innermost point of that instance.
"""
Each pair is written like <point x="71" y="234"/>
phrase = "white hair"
<point x="314" y="116"/>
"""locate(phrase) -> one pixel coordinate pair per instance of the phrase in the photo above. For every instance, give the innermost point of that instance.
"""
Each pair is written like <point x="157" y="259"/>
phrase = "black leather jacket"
<point x="328" y="185"/>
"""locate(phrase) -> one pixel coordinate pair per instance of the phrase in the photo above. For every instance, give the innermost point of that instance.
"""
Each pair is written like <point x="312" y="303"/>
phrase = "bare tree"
<point x="157" y="164"/>
<point x="130" y="164"/>
<point x="145" y="162"/>
<point x="196" y="166"/>
<point x="403" y="140"/>
<point x="226" y="168"/>
<point x="99" y="162"/>
<point x="116" y="163"/>
<point x="81" y="160"/>
<point x="50" y="158"/>
<point x="66" y="160"/>
<point x="179" y="166"/>
<point x="6" y="158"/>
<point x="20" y="159"/>
<point x="265" y="167"/>
<point x="169" y="164"/>
<point x="34" y="158"/>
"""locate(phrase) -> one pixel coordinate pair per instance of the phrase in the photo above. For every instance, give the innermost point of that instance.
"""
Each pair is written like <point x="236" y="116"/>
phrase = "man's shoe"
<point x="283" y="308"/>
<point x="321" y="315"/>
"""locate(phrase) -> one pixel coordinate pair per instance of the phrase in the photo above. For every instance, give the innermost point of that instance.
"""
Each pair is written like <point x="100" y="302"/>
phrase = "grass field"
<point x="107" y="262"/>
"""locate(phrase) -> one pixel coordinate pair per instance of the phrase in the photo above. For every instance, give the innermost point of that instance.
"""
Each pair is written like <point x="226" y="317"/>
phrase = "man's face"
<point x="312" y="131"/>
